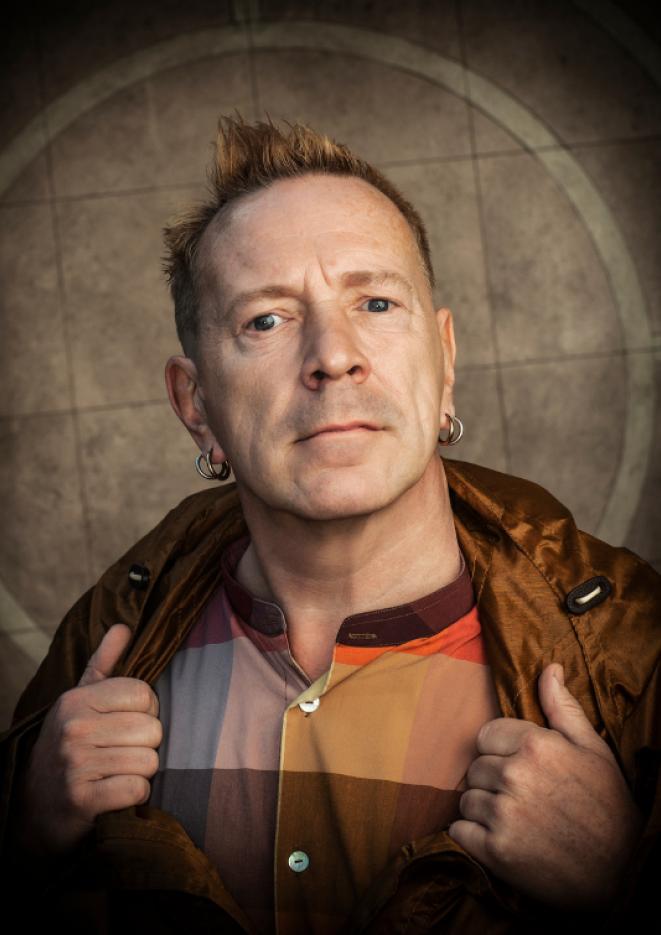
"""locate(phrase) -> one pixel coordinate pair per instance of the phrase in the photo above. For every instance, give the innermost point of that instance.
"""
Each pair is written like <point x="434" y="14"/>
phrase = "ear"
<point x="445" y="326"/>
<point x="186" y="398"/>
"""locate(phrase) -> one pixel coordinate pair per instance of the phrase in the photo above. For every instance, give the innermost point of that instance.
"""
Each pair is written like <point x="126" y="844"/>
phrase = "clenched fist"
<point x="548" y="809"/>
<point x="95" y="753"/>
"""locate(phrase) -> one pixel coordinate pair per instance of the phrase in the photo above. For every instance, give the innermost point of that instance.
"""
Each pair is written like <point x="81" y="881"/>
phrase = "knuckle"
<point x="483" y="734"/>
<point x="73" y="730"/>
<point x="533" y="744"/>
<point x="497" y="849"/>
<point x="139" y="789"/>
<point x="78" y="798"/>
<point x="65" y="705"/>
<point x="92" y="799"/>
<point x="75" y="796"/>
<point x="500" y="808"/>
<point x="464" y="802"/>
<point x="143" y="695"/>
<point x="554" y="738"/>
<point x="510" y="773"/>
<point x="76" y="757"/>
<point x="153" y="761"/>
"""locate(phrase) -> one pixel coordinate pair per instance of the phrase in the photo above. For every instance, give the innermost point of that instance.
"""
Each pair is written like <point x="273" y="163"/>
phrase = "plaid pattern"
<point x="379" y="762"/>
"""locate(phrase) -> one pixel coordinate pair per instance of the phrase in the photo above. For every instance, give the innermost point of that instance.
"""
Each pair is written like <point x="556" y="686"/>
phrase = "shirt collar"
<point x="388" y="626"/>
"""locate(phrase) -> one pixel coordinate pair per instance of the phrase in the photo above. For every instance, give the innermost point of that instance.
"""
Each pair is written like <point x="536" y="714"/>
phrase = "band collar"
<point x="388" y="626"/>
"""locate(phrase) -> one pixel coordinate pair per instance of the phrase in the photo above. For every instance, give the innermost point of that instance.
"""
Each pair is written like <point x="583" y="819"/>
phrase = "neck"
<point x="320" y="573"/>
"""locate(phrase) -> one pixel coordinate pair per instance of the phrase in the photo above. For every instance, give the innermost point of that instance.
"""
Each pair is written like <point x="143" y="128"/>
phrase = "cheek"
<point x="415" y="391"/>
<point x="245" y="404"/>
<point x="416" y="362"/>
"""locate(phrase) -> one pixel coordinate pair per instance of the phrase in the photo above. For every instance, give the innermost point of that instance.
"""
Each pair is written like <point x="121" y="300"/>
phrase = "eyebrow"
<point x="349" y="279"/>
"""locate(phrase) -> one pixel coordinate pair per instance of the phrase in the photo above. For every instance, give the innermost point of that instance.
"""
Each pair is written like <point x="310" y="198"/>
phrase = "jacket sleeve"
<point x="60" y="670"/>
<point x="635" y="903"/>
<point x="640" y="744"/>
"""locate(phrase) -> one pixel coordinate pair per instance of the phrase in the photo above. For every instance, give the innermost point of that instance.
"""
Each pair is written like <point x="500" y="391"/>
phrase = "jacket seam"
<point x="604" y="655"/>
<point x="573" y="633"/>
<point x="465" y="469"/>
<point x="634" y="707"/>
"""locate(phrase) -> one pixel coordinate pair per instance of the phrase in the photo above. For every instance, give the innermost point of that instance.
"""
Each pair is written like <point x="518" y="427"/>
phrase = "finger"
<point x="126" y="729"/>
<point x="107" y="654"/>
<point x="122" y="693"/>
<point x="565" y="713"/>
<point x="472" y="836"/>
<point x="491" y="772"/>
<point x="480" y="806"/>
<point x="116" y="792"/>
<point x="115" y="761"/>
<point x="503" y="735"/>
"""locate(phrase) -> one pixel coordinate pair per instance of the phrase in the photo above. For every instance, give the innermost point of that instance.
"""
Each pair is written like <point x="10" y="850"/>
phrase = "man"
<point x="347" y="660"/>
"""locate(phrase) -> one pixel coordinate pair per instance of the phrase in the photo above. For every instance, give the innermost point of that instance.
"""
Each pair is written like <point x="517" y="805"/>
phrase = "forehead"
<point x="297" y="221"/>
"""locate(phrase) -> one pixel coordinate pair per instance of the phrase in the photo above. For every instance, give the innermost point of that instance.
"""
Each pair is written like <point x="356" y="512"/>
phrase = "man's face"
<point x="332" y="344"/>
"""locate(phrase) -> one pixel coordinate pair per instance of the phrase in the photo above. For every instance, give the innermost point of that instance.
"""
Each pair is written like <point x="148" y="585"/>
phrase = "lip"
<point x="347" y="427"/>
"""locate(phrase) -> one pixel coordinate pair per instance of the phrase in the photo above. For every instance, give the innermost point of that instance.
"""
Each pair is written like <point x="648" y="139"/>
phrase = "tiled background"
<point x="108" y="110"/>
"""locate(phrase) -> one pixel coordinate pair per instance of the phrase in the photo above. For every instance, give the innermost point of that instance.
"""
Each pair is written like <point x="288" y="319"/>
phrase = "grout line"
<point x="461" y="369"/>
<point x="616" y="467"/>
<point x="562" y="358"/>
<point x="253" y="15"/>
<point x="99" y="407"/>
<point x="96" y="196"/>
<point x="389" y="164"/>
<point x="500" y="390"/>
<point x="62" y="304"/>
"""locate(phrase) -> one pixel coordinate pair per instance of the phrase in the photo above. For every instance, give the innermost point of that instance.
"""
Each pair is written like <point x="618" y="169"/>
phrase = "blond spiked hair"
<point x="249" y="157"/>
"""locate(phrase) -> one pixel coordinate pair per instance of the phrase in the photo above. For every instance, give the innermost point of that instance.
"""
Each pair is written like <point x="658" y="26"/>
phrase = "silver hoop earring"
<point x="211" y="473"/>
<point x="453" y="435"/>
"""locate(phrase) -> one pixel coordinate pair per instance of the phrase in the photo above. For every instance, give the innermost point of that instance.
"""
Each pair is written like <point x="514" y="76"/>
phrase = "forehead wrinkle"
<point x="208" y="273"/>
<point x="349" y="279"/>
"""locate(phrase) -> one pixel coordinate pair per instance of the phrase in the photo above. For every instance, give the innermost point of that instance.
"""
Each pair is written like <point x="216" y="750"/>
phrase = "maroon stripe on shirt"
<point x="387" y="626"/>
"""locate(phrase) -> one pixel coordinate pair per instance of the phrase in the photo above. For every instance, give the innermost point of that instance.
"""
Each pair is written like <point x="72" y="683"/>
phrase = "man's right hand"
<point x="95" y="753"/>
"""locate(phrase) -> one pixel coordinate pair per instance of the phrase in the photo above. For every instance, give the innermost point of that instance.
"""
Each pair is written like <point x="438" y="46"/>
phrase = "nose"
<point x="333" y="349"/>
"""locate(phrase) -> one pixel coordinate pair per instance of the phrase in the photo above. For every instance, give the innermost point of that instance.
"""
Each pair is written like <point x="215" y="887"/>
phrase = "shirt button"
<point x="299" y="861"/>
<point x="309" y="706"/>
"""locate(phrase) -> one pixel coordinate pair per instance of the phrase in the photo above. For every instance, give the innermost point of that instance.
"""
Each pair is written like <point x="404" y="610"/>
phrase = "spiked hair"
<point x="249" y="157"/>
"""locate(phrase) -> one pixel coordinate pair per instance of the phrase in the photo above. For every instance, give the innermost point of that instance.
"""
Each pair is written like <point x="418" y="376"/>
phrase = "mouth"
<point x="336" y="429"/>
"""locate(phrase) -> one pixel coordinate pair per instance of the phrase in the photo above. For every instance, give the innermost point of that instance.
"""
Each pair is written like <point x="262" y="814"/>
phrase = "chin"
<point x="333" y="496"/>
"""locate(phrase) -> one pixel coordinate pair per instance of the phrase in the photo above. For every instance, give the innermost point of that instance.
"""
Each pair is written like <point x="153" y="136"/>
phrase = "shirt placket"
<point x="300" y="883"/>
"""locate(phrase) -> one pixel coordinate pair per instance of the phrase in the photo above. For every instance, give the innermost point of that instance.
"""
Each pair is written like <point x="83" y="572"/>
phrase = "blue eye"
<point x="383" y="302"/>
<point x="261" y="318"/>
<point x="266" y="322"/>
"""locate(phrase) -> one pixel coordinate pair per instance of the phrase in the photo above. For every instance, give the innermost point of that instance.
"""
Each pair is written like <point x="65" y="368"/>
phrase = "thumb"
<point x="564" y="713"/>
<point x="104" y="659"/>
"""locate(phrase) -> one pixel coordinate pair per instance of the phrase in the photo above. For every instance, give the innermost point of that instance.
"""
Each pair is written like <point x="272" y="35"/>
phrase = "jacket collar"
<point x="521" y="545"/>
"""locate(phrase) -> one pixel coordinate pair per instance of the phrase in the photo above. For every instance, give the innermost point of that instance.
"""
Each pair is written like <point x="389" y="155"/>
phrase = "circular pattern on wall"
<point x="192" y="58"/>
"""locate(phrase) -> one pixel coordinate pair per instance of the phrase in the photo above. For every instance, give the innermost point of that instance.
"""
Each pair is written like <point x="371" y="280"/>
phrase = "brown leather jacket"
<point x="140" y="871"/>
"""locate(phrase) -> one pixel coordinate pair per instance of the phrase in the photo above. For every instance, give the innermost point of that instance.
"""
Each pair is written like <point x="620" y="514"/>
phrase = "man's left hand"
<point x="548" y="809"/>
